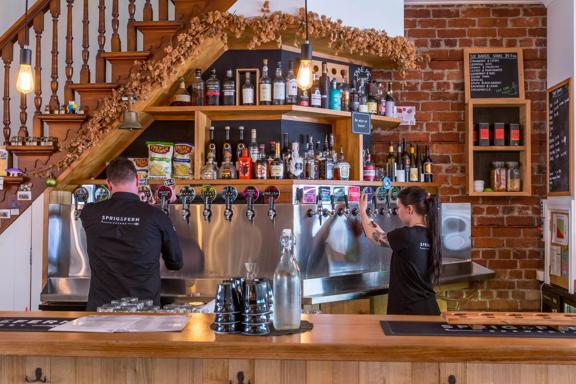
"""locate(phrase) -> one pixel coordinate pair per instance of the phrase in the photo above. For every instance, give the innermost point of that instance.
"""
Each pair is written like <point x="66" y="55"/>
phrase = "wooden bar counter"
<point x="340" y="349"/>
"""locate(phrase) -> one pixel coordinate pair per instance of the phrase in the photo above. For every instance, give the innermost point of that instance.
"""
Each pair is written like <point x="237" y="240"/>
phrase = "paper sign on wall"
<point x="407" y="114"/>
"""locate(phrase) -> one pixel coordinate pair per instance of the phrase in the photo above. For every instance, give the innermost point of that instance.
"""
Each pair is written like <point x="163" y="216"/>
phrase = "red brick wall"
<point x="506" y="235"/>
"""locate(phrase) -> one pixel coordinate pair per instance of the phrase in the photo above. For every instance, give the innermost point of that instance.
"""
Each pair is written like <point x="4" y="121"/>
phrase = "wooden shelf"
<point x="498" y="148"/>
<point x="67" y="117"/>
<point x="13" y="180"/>
<point x="500" y="194"/>
<point x="263" y="112"/>
<point x="31" y="150"/>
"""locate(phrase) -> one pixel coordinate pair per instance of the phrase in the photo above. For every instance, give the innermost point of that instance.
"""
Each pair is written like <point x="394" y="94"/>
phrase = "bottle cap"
<point x="287" y="232"/>
<point x="244" y="153"/>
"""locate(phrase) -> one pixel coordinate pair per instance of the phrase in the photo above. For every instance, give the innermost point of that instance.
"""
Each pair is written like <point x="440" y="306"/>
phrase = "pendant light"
<point x="304" y="77"/>
<point x="25" y="80"/>
<point x="130" y="120"/>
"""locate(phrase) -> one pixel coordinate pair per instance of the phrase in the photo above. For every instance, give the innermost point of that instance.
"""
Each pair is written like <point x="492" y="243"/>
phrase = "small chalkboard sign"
<point x="494" y="73"/>
<point x="559" y="106"/>
<point x="361" y="123"/>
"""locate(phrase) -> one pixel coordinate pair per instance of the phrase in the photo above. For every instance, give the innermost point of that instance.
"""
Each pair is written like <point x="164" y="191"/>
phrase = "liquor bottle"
<point x="369" y="168"/>
<point x="211" y="147"/>
<point x="262" y="164"/>
<point x="227" y="146"/>
<point x="253" y="148"/>
<point x="420" y="163"/>
<point x="279" y="87"/>
<point x="287" y="287"/>
<point x="303" y="98"/>
<point x="213" y="89"/>
<point x="181" y="96"/>
<point x="229" y="89"/>
<point x="247" y="91"/>
<point x="362" y="97"/>
<point x="227" y="169"/>
<point x="296" y="167"/>
<point x="391" y="163"/>
<point x="354" y="98"/>
<point x="335" y="96"/>
<point x="209" y="171"/>
<point x="241" y="144"/>
<point x="291" y="85"/>
<point x="381" y="100"/>
<point x="325" y="86"/>
<point x="342" y="168"/>
<point x="286" y="153"/>
<point x="400" y="173"/>
<point x="427" y="166"/>
<point x="265" y="85"/>
<point x="310" y="165"/>
<point x="315" y="95"/>
<point x="326" y="163"/>
<point x="372" y="103"/>
<point x="197" y="89"/>
<point x="390" y="103"/>
<point x="244" y="166"/>
<point x="345" y="89"/>
<point x="414" y="169"/>
<point x="277" y="165"/>
<point x="271" y="155"/>
<point x="405" y="161"/>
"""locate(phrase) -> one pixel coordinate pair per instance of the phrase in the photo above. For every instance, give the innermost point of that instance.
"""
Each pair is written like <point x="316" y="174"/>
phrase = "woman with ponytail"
<point x="416" y="260"/>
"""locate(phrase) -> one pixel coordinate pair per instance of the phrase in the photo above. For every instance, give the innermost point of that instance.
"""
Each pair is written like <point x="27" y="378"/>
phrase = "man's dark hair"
<point x="120" y="170"/>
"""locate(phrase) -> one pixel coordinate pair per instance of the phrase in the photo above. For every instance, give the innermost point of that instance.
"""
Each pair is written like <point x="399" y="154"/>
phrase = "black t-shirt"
<point x="125" y="239"/>
<point x="411" y="290"/>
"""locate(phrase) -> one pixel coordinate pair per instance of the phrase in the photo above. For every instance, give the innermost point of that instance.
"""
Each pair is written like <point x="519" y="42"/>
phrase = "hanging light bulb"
<point x="25" y="80"/>
<point x="304" y="76"/>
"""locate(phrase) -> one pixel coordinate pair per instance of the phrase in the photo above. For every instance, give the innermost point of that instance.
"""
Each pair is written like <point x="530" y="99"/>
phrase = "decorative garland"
<point x="261" y="29"/>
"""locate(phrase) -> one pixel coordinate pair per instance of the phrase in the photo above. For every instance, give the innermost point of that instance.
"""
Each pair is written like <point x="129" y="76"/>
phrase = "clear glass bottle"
<point x="265" y="85"/>
<point x="227" y="169"/>
<point x="253" y="148"/>
<point x="213" y="89"/>
<point x="287" y="287"/>
<point x="227" y="146"/>
<point x="277" y="165"/>
<point x="390" y="103"/>
<point x="229" y="89"/>
<point x="342" y="167"/>
<point x="209" y="171"/>
<point x="279" y="87"/>
<point x="296" y="165"/>
<point x="291" y="85"/>
<point x="181" y="95"/>
<point x="211" y="147"/>
<point x="197" y="89"/>
<point x="248" y="90"/>
<point x="241" y="144"/>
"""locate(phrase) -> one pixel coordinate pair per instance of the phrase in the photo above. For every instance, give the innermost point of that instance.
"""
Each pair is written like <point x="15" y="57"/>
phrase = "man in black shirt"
<point x="125" y="239"/>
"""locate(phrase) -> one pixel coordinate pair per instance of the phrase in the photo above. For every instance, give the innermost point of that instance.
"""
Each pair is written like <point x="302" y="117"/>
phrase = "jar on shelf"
<point x="514" y="182"/>
<point x="498" y="176"/>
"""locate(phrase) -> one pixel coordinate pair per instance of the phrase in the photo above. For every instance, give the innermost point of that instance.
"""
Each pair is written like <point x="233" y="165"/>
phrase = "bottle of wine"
<point x="427" y="166"/>
<point x="229" y="89"/>
<point x="390" y="103"/>
<point x="414" y="169"/>
<point x="286" y="152"/>
<point x="405" y="161"/>
<point x="391" y="163"/>
<point x="291" y="85"/>
<point x="315" y="94"/>
<point x="325" y="86"/>
<point x="279" y="88"/>
<point x="213" y="89"/>
<point x="345" y="89"/>
<point x="197" y="89"/>
<point x="400" y="172"/>
<point x="248" y="90"/>
<point x="265" y="85"/>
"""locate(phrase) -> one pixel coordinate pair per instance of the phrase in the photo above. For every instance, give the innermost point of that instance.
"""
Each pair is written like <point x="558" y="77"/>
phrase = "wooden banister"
<point x="11" y="35"/>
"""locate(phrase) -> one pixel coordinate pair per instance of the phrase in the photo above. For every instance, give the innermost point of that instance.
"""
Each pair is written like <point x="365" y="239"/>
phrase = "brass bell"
<point x="130" y="120"/>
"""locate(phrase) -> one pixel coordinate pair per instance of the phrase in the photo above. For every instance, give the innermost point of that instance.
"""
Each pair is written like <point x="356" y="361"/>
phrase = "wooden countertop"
<point x="334" y="337"/>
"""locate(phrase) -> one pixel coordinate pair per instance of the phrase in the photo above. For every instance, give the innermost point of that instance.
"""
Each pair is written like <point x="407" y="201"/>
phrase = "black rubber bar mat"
<point x="31" y="324"/>
<point x="419" y="328"/>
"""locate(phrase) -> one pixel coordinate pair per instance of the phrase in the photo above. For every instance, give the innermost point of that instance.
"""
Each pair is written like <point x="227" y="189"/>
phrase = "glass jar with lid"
<point x="498" y="176"/>
<point x="513" y="177"/>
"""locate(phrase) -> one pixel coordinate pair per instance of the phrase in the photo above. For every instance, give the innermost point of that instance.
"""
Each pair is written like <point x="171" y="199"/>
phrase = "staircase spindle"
<point x="130" y="29"/>
<point x="69" y="71"/>
<point x="163" y="10"/>
<point x="85" y="71"/>
<point x="7" y="57"/>
<point x="100" y="63"/>
<point x="23" y="131"/>
<point x="116" y="45"/>
<point x="38" y="30"/>
<point x="147" y="14"/>
<point x="55" y="12"/>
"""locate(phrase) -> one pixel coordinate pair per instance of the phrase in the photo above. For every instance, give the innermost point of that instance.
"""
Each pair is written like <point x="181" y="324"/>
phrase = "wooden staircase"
<point x="144" y="39"/>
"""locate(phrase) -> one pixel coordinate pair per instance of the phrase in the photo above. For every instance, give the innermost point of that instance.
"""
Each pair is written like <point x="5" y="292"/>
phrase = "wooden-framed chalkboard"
<point x="559" y="145"/>
<point x="494" y="73"/>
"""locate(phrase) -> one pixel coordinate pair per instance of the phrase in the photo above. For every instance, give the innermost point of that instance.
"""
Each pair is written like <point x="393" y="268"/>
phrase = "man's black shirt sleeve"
<point x="171" y="251"/>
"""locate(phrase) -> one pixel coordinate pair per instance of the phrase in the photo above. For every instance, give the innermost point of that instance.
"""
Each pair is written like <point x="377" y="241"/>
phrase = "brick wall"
<point x="506" y="234"/>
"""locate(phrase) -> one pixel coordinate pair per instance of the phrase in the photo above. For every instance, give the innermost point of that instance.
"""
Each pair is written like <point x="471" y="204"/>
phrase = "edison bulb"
<point x="304" y="78"/>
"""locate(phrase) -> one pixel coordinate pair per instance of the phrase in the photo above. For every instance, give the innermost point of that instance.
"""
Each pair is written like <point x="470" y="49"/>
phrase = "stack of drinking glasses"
<point x="257" y="307"/>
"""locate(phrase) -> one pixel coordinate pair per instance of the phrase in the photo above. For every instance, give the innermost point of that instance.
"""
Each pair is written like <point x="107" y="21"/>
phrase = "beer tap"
<point x="230" y="194"/>
<point x="207" y="194"/>
<point x="332" y="205"/>
<point x="80" y="196"/>
<point x="346" y="210"/>
<point x="370" y="211"/>
<point x="319" y="210"/>
<point x="187" y="195"/>
<point x="383" y="196"/>
<point x="164" y="194"/>
<point x="250" y="195"/>
<point x="272" y="193"/>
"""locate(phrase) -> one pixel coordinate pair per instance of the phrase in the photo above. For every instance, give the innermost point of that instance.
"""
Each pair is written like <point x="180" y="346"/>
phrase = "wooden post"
<point x="55" y="12"/>
<point x="85" y="71"/>
<point x="116" y="45"/>
<point x="130" y="29"/>
<point x="163" y="10"/>
<point x="7" y="57"/>
<point x="68" y="93"/>
<point x="147" y="14"/>
<point x="23" y="131"/>
<point x="38" y="30"/>
<point x="100" y="63"/>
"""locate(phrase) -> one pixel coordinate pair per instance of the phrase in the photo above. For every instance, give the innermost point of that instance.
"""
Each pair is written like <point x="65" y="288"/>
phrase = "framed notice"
<point x="559" y="147"/>
<point x="493" y="73"/>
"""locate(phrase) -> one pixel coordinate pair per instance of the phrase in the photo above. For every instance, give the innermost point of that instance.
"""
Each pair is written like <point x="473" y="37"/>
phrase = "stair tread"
<point x="62" y="117"/>
<point x="13" y="179"/>
<point x="31" y="149"/>
<point x="93" y="86"/>
<point x="155" y="24"/>
<point x="126" y="55"/>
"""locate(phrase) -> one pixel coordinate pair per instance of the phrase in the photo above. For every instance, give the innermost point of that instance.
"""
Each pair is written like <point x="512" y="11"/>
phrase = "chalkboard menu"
<point x="494" y="73"/>
<point x="559" y="109"/>
<point x="361" y="123"/>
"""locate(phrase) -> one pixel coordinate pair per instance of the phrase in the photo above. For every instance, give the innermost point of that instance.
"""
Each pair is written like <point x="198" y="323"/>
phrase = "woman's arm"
<point x="372" y="230"/>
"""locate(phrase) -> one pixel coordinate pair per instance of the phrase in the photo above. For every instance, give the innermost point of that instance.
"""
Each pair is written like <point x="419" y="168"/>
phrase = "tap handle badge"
<point x="272" y="192"/>
<point x="187" y="194"/>
<point x="208" y="193"/>
<point x="80" y="195"/>
<point x="230" y="194"/>
<point x="251" y="193"/>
